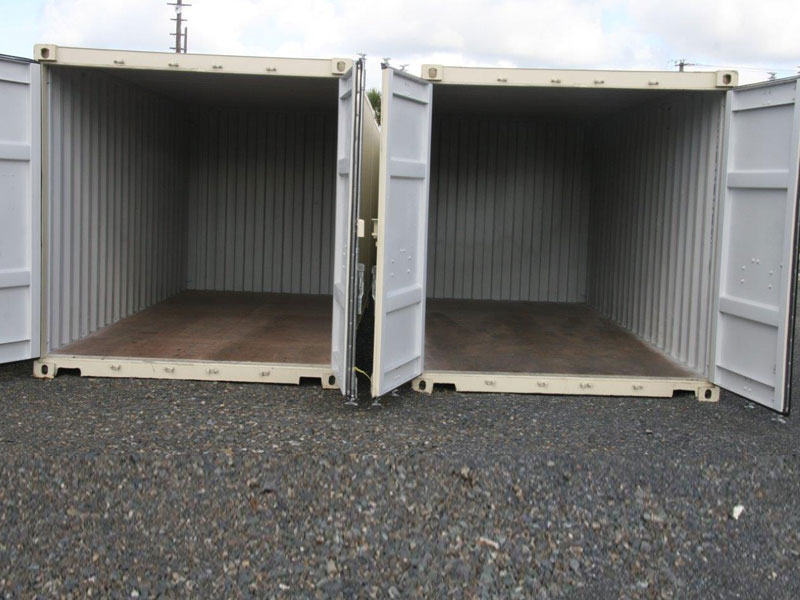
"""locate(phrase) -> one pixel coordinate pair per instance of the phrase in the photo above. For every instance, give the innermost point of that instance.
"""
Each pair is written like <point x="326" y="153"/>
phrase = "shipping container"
<point x="586" y="232"/>
<point x="184" y="216"/>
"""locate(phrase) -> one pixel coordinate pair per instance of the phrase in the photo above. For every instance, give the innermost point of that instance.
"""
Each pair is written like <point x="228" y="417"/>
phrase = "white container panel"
<point x="117" y="212"/>
<point x="20" y="202"/>
<point x="652" y="223"/>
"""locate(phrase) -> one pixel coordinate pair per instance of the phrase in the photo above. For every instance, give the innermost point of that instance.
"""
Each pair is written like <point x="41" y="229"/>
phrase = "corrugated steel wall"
<point x="508" y="209"/>
<point x="117" y="214"/>
<point x="652" y="224"/>
<point x="261" y="200"/>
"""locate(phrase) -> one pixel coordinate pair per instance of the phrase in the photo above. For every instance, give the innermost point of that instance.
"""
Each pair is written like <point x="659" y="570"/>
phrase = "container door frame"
<point x="345" y="256"/>
<point x="20" y="204"/>
<point x="756" y="266"/>
<point x="402" y="232"/>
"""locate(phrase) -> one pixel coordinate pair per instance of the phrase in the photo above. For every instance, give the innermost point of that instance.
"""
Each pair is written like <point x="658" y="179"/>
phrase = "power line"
<point x="761" y="69"/>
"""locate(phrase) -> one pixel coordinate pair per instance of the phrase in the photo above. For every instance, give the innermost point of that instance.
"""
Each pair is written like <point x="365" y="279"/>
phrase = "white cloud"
<point x="107" y="24"/>
<point x="567" y="33"/>
<point x="742" y="31"/>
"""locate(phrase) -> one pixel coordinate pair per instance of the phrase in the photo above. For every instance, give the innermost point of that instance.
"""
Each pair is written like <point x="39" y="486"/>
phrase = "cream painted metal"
<point x="140" y="368"/>
<point x="568" y="385"/>
<point x="569" y="78"/>
<point x="116" y="207"/>
<point x="642" y="154"/>
<point x="203" y="63"/>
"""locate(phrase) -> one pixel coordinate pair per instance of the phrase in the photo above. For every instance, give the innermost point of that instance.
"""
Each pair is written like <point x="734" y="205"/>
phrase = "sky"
<point x="752" y="37"/>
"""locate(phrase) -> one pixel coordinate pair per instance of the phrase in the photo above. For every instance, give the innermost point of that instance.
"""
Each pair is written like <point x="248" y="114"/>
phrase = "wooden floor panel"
<point x="535" y="337"/>
<point x="221" y="326"/>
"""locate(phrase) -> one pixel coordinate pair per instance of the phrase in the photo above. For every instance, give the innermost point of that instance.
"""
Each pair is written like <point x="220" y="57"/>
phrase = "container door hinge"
<point x="374" y="229"/>
<point x="361" y="228"/>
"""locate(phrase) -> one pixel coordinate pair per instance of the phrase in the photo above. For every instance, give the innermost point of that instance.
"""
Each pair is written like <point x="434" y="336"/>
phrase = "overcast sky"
<point x="753" y="36"/>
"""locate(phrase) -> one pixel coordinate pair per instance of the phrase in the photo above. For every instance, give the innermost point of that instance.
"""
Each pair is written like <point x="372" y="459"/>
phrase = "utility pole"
<point x="181" y="33"/>
<point x="682" y="62"/>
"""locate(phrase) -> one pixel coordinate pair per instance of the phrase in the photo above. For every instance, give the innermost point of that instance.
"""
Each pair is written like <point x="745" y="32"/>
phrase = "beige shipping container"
<point x="185" y="216"/>
<point x="587" y="232"/>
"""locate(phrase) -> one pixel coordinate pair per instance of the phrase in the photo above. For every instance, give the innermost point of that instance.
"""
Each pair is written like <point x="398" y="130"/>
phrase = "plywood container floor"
<point x="221" y="326"/>
<point x="535" y="337"/>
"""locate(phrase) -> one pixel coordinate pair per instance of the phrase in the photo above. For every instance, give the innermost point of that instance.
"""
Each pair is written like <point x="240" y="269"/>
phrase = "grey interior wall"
<point x="117" y="202"/>
<point x="652" y="224"/>
<point x="508" y="209"/>
<point x="261" y="200"/>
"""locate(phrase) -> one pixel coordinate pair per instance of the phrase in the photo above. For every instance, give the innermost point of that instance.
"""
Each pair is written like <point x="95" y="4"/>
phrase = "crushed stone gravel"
<point x="144" y="488"/>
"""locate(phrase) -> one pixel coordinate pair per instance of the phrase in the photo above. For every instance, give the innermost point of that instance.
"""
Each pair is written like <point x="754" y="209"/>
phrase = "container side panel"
<point x="758" y="243"/>
<point x="117" y="206"/>
<point x="20" y="210"/>
<point x="508" y="198"/>
<point x="650" y="257"/>
<point x="262" y="189"/>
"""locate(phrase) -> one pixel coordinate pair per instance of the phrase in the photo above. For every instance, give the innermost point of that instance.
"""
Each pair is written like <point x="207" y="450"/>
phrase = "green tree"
<point x="375" y="100"/>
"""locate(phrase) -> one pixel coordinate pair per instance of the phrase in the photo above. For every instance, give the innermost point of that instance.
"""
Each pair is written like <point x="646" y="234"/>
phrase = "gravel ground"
<point x="136" y="488"/>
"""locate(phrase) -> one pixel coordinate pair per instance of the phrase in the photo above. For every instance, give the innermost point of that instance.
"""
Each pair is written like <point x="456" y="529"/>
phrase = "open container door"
<point x="20" y="209"/>
<point x="345" y="257"/>
<point x="402" y="230"/>
<point x="758" y="249"/>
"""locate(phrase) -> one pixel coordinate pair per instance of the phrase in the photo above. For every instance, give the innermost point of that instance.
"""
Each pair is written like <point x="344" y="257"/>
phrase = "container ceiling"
<point x="236" y="90"/>
<point x="532" y="101"/>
